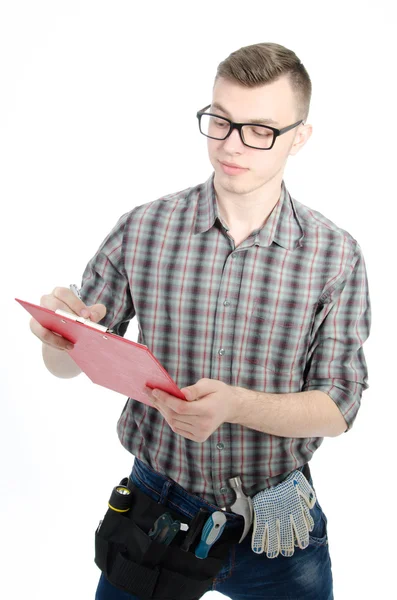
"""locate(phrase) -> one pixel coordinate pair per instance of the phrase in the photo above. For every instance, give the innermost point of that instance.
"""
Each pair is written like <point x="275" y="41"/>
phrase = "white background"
<point x="81" y="84"/>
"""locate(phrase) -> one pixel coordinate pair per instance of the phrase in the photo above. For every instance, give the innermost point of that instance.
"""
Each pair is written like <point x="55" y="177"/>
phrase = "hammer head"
<point x="242" y="506"/>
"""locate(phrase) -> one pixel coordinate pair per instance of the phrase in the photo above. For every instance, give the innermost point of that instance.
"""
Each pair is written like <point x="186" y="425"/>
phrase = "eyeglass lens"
<point x="257" y="136"/>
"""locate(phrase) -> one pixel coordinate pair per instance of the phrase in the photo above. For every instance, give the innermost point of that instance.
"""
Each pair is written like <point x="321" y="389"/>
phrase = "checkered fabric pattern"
<point x="285" y="311"/>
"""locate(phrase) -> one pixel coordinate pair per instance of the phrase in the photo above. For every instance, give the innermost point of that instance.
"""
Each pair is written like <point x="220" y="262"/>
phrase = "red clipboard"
<point x="107" y="359"/>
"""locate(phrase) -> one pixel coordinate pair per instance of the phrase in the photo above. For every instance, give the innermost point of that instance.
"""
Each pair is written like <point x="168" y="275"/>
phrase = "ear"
<point x="302" y="136"/>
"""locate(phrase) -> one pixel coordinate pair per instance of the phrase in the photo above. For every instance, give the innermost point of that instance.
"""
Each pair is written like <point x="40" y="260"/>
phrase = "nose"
<point x="234" y="143"/>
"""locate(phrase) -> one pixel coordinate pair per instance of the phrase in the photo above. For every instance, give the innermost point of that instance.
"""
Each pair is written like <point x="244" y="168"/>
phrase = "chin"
<point x="237" y="187"/>
<point x="236" y="184"/>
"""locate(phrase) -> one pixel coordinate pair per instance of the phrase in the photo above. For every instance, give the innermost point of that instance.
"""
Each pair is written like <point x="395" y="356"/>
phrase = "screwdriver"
<point x="194" y="528"/>
<point x="211" y="532"/>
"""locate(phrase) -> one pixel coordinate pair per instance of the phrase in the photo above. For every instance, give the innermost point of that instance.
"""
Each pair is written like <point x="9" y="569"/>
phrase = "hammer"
<point x="242" y="506"/>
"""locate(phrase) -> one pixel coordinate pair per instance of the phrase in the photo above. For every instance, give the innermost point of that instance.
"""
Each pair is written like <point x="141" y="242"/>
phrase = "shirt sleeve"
<point x="105" y="281"/>
<point x="336" y="364"/>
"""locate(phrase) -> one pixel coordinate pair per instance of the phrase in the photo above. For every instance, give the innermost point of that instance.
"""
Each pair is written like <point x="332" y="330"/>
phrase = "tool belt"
<point x="137" y="564"/>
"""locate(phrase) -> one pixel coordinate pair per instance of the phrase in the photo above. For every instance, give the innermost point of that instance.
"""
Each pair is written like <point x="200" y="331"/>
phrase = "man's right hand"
<point x="64" y="299"/>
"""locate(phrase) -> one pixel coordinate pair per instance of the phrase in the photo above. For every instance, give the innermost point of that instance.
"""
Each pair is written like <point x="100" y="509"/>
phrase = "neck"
<point x="248" y="210"/>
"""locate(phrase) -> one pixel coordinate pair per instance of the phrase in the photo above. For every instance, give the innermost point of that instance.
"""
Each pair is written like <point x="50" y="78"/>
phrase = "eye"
<point x="261" y="131"/>
<point x="219" y="122"/>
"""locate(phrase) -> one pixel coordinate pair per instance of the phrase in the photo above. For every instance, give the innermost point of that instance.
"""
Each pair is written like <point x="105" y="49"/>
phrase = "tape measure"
<point x="120" y="499"/>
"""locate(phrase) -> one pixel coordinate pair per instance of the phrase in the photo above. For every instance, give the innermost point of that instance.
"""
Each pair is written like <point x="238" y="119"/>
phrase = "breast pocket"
<point x="279" y="343"/>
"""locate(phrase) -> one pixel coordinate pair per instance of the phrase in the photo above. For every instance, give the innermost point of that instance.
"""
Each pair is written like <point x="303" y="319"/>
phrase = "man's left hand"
<point x="210" y="403"/>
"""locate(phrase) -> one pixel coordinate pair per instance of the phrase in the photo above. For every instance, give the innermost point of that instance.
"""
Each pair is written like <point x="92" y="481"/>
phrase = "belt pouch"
<point x="136" y="564"/>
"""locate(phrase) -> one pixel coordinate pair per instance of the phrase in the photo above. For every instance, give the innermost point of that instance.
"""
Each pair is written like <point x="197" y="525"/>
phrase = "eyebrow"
<point x="264" y="121"/>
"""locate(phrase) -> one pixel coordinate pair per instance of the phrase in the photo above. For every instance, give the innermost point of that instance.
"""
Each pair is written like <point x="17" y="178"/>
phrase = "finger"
<point x="301" y="533"/>
<point x="174" y="419"/>
<point x="166" y="412"/>
<point x="259" y="536"/>
<point x="308" y="518"/>
<point x="54" y="303"/>
<point x="182" y="425"/>
<point x="69" y="300"/>
<point x="287" y="537"/>
<point x="305" y="489"/>
<point x="179" y="427"/>
<point x="180" y="407"/>
<point x="174" y="422"/>
<point x="97" y="312"/>
<point x="185" y="433"/>
<point x="185" y="423"/>
<point x="273" y="546"/>
<point x="48" y="337"/>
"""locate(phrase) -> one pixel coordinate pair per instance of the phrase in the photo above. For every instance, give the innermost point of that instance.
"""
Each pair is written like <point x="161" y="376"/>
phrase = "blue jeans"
<point x="245" y="575"/>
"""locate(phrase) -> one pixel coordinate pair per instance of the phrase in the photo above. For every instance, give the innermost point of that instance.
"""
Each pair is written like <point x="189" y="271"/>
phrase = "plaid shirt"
<point x="288" y="310"/>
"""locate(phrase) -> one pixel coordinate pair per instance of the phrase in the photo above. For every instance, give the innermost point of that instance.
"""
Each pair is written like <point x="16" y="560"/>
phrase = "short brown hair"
<point x="255" y="65"/>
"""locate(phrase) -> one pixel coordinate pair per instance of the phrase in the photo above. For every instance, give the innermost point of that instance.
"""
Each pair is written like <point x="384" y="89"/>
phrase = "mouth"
<point x="231" y="168"/>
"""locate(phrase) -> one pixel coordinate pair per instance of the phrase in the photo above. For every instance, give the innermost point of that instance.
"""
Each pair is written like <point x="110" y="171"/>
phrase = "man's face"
<point x="274" y="101"/>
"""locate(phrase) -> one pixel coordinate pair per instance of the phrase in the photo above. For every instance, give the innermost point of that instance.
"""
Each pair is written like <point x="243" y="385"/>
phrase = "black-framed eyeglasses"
<point x="253" y="135"/>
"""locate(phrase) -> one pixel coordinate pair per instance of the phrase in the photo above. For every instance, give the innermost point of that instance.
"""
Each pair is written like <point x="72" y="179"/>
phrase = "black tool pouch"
<point x="136" y="564"/>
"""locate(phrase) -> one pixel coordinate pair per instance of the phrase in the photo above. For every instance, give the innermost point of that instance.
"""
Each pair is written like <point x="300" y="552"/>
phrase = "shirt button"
<point x="220" y="446"/>
<point x="226" y="303"/>
<point x="223" y="490"/>
<point x="235" y="255"/>
<point x="221" y="351"/>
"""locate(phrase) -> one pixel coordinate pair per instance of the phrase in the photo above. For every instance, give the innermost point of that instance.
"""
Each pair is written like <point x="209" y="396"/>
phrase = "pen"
<point x="75" y="290"/>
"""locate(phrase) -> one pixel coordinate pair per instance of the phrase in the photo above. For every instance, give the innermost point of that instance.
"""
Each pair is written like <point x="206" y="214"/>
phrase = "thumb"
<point x="97" y="312"/>
<point x="190" y="392"/>
<point x="201" y="388"/>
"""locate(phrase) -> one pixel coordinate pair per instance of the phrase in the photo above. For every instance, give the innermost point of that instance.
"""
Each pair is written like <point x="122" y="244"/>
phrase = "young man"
<point x="258" y="307"/>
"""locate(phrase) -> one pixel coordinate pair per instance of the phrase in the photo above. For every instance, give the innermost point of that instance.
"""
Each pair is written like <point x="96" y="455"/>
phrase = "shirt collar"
<point x="282" y="227"/>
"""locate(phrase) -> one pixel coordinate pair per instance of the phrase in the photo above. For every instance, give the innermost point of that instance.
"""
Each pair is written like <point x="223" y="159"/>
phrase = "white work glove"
<point x="282" y="518"/>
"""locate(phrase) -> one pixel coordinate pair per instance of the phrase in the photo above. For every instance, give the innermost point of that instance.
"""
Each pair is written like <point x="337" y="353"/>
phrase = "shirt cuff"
<point x="346" y="395"/>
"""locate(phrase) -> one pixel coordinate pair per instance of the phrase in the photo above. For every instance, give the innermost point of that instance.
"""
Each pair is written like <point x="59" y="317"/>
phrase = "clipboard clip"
<point x="65" y="313"/>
